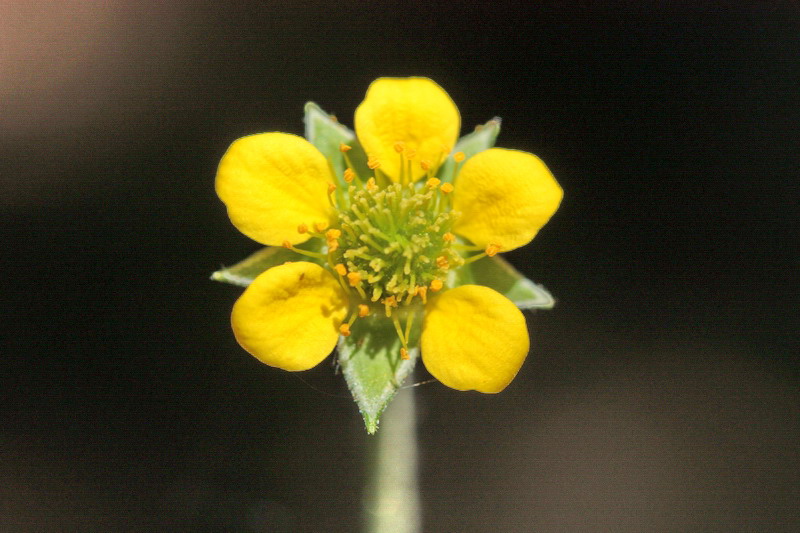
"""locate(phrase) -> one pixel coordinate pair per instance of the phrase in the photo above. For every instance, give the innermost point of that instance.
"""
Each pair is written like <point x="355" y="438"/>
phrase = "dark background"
<point x="660" y="395"/>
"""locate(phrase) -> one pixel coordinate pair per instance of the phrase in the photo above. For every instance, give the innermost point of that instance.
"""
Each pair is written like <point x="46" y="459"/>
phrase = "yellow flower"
<point x="390" y="237"/>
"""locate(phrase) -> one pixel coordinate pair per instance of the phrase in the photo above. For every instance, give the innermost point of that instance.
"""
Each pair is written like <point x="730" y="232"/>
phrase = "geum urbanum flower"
<point x="386" y="238"/>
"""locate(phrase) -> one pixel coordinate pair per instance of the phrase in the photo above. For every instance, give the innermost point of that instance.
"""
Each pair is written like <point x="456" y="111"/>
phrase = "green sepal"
<point x="479" y="140"/>
<point x="371" y="364"/>
<point x="244" y="272"/>
<point x="325" y="133"/>
<point x="496" y="273"/>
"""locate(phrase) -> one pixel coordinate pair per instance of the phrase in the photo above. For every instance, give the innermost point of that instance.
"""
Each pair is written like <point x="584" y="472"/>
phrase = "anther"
<point x="371" y="185"/>
<point x="448" y="237"/>
<point x="492" y="249"/>
<point x="447" y="188"/>
<point x="340" y="269"/>
<point x="331" y="188"/>
<point x="411" y="153"/>
<point x="302" y="228"/>
<point x="363" y="310"/>
<point x="354" y="278"/>
<point x="399" y="147"/>
<point x="422" y="292"/>
<point x="373" y="163"/>
<point x="349" y="175"/>
<point x="404" y="354"/>
<point x="459" y="157"/>
<point x="344" y="148"/>
<point x="436" y="285"/>
<point x="287" y="245"/>
<point x="320" y="226"/>
<point x="425" y="164"/>
<point x="433" y="183"/>
<point x="344" y="329"/>
<point x="442" y="262"/>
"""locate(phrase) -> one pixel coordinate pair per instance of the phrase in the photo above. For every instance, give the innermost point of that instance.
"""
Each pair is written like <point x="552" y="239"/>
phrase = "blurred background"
<point x="661" y="394"/>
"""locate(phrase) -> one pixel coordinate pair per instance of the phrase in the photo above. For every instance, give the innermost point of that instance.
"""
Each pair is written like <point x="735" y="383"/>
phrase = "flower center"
<point x="396" y="240"/>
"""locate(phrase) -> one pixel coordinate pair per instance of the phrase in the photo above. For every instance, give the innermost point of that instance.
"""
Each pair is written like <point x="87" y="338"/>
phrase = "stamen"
<point x="448" y="237"/>
<point x="422" y="292"/>
<point x="354" y="278"/>
<point x="404" y="354"/>
<point x="399" y="147"/>
<point x="436" y="285"/>
<point x="425" y="164"/>
<point x="320" y="226"/>
<point x="373" y="163"/>
<point x="349" y="175"/>
<point x="344" y="148"/>
<point x="341" y="269"/>
<point x="442" y="262"/>
<point x="447" y="188"/>
<point x="409" y="322"/>
<point x="492" y="249"/>
<point x="344" y="329"/>
<point x="332" y="237"/>
<point x="371" y="185"/>
<point x="399" y="331"/>
<point x="302" y="228"/>
<point x="363" y="310"/>
<point x="389" y="302"/>
<point x="433" y="183"/>
<point x="458" y="157"/>
<point x="315" y="255"/>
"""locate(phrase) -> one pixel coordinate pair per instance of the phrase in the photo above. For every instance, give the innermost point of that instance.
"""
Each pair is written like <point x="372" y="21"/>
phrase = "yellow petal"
<point x="271" y="183"/>
<point x="505" y="197"/>
<point x="473" y="337"/>
<point x="413" y="111"/>
<point x="289" y="316"/>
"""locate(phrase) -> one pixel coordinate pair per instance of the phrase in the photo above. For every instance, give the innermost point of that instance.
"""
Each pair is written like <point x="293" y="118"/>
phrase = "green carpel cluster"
<point x="394" y="238"/>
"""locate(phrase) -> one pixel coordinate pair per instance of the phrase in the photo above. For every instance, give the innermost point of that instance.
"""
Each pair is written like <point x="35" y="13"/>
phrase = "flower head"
<point x="386" y="237"/>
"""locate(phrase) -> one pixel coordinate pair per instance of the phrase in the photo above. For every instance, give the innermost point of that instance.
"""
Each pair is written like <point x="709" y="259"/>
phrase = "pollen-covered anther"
<point x="442" y="262"/>
<point x="363" y="310"/>
<point x="340" y="269"/>
<point x="349" y="175"/>
<point x="404" y="354"/>
<point x="399" y="147"/>
<point x="411" y="153"/>
<point x="425" y="164"/>
<point x="302" y="228"/>
<point x="371" y="185"/>
<point x="344" y="148"/>
<point x="492" y="249"/>
<point x="344" y="329"/>
<point x="422" y="292"/>
<point x="319" y="227"/>
<point x="332" y="237"/>
<point x="287" y="245"/>
<point x="373" y="163"/>
<point x="448" y="237"/>
<point x="447" y="188"/>
<point x="459" y="157"/>
<point x="331" y="188"/>
<point x="354" y="278"/>
<point x="436" y="285"/>
<point x="432" y="183"/>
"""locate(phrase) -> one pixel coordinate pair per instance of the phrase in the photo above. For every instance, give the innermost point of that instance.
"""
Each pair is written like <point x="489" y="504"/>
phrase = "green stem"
<point x="392" y="501"/>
